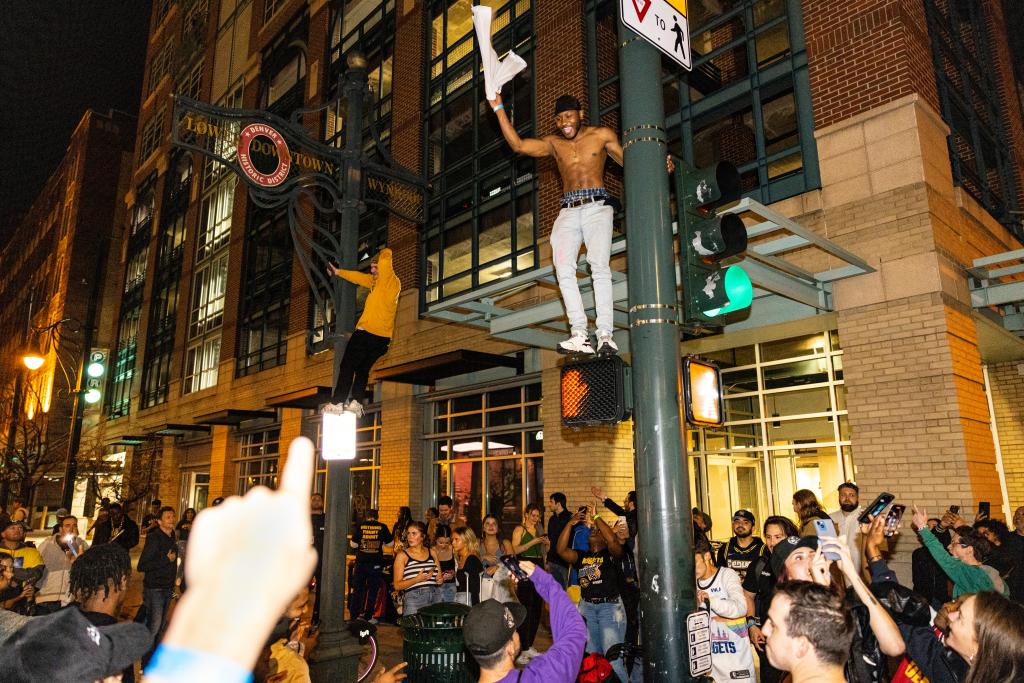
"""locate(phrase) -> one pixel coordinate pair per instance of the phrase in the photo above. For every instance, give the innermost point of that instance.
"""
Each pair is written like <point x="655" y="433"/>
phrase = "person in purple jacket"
<point x="490" y="633"/>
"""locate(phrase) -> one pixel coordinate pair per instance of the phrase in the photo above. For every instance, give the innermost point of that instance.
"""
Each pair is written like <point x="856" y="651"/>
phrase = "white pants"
<point x="589" y="224"/>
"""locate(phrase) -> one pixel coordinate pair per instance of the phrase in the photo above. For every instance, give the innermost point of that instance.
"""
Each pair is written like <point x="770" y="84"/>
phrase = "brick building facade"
<point x="844" y="116"/>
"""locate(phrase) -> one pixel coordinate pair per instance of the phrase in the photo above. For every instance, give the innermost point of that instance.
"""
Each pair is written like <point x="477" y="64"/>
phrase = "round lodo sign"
<point x="266" y="143"/>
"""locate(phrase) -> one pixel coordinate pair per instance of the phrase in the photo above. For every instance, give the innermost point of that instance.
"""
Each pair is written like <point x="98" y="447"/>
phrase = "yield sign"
<point x="662" y="23"/>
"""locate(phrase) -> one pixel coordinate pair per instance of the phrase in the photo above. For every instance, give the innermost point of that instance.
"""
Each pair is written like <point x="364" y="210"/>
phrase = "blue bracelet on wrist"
<point x="500" y="106"/>
<point x="172" y="663"/>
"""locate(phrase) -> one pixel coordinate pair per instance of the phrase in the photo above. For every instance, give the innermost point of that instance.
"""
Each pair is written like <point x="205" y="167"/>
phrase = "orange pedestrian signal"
<point x="702" y="393"/>
<point x="593" y="392"/>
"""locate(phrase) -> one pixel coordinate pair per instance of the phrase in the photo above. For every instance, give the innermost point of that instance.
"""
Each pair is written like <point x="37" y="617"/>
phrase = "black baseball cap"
<point x="743" y="514"/>
<point x="9" y="523"/>
<point x="64" y="646"/>
<point x="566" y="103"/>
<point x="490" y="624"/>
<point x="786" y="547"/>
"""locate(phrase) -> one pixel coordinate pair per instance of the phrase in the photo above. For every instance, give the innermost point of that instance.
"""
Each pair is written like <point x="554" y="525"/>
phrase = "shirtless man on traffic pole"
<point x="585" y="218"/>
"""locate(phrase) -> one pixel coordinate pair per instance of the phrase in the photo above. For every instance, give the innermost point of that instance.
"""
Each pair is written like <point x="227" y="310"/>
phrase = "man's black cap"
<point x="64" y="646"/>
<point x="743" y="514"/>
<point x="490" y="624"/>
<point x="786" y="547"/>
<point x="566" y="103"/>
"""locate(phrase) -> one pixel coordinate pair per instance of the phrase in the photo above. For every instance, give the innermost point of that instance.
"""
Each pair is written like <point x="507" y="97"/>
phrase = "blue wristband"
<point x="500" y="106"/>
<point x="170" y="663"/>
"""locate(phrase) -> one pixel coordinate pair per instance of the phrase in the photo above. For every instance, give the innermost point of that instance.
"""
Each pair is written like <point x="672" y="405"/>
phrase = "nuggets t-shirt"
<point x="371" y="536"/>
<point x="598" y="575"/>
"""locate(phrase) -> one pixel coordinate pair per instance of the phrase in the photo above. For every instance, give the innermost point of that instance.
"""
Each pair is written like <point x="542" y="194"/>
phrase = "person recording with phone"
<point x="59" y="551"/>
<point x="964" y="563"/>
<point x="600" y="586"/>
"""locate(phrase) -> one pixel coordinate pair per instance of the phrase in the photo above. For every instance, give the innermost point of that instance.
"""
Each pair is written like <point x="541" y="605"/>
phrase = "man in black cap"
<point x="490" y="633"/>
<point x="585" y="218"/>
<point x="743" y="548"/>
<point x="64" y="646"/>
<point x="369" y="538"/>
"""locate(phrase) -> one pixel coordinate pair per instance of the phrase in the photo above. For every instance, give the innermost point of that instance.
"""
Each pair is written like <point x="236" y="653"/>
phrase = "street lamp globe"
<point x="355" y="60"/>
<point x="33" y="360"/>
<point x="91" y="396"/>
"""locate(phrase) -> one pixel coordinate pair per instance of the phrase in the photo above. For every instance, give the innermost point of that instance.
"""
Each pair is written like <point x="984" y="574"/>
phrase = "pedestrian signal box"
<point x="702" y="393"/>
<point x="594" y="392"/>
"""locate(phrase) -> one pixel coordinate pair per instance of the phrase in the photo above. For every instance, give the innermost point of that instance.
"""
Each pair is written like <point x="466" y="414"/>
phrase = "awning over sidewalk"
<point x="429" y="370"/>
<point x="233" y="416"/>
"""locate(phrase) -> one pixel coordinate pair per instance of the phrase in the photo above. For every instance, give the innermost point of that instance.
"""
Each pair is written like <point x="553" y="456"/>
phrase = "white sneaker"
<point x="525" y="656"/>
<point x="355" y="406"/>
<point x="606" y="346"/>
<point x="577" y="343"/>
<point x="334" y="408"/>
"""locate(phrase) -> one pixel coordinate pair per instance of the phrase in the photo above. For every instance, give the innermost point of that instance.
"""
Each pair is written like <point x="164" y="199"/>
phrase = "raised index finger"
<point x="297" y="476"/>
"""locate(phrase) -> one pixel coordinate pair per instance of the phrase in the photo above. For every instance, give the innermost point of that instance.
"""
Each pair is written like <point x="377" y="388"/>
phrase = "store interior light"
<point x="338" y="440"/>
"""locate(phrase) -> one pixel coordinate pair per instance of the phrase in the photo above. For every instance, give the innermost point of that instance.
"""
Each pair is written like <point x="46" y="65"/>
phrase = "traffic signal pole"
<point x="665" y="531"/>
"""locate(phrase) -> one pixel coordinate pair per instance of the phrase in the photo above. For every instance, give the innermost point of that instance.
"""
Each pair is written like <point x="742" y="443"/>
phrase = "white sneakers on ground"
<point x="354" y="406"/>
<point x="577" y="343"/>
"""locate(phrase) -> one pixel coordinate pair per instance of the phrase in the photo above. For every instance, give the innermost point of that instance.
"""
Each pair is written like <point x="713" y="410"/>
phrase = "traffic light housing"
<point x="594" y="392"/>
<point x="711" y="288"/>
<point x="702" y="393"/>
<point x="95" y="376"/>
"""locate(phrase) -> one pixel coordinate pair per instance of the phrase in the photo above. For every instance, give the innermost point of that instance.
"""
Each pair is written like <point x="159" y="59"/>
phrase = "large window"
<point x="122" y="375"/>
<point x="487" y="449"/>
<point x="163" y="306"/>
<point x="266" y="292"/>
<point x="482" y="216"/>
<point x="283" y="70"/>
<point x="746" y="101"/>
<point x="365" y="468"/>
<point x="971" y="106"/>
<point x="367" y="26"/>
<point x="151" y="134"/>
<point x="786" y="429"/>
<point x="258" y="455"/>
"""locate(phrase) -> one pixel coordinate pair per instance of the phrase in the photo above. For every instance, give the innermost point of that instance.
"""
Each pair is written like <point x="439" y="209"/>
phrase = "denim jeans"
<point x="589" y="224"/>
<point x="448" y="591"/>
<point x="156" y="600"/>
<point x="416" y="599"/>
<point x="606" y="626"/>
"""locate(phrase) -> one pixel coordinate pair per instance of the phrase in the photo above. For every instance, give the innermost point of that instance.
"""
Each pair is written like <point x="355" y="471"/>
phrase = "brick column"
<point x="401" y="451"/>
<point x="222" y="470"/>
<point x="576" y="459"/>
<point x="1006" y="383"/>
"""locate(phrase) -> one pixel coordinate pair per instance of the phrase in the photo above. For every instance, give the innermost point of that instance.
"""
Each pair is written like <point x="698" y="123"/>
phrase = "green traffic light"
<point x="738" y="289"/>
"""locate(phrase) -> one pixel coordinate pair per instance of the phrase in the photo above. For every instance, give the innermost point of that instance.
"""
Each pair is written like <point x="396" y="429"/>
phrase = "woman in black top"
<point x="401" y="524"/>
<point x="759" y="587"/>
<point x="467" y="555"/>
<point x="446" y="560"/>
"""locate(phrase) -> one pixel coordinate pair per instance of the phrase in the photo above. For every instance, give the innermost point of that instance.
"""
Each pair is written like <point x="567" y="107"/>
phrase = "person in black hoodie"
<point x="99" y="584"/>
<point x="159" y="562"/>
<point x="118" y="528"/>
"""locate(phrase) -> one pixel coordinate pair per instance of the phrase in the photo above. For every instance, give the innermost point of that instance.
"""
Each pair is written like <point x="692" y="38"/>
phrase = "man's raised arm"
<point x="530" y="146"/>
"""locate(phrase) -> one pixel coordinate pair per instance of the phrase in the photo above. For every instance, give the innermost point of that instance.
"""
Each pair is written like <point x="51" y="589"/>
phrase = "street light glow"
<point x="92" y="396"/>
<point x="94" y="369"/>
<point x="33" y="361"/>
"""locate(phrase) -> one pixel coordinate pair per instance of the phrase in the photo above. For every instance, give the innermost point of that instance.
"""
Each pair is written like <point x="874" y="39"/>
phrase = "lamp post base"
<point x="336" y="657"/>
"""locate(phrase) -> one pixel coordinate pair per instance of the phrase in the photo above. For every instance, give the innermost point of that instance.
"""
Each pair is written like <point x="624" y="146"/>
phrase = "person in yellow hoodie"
<point x="373" y="332"/>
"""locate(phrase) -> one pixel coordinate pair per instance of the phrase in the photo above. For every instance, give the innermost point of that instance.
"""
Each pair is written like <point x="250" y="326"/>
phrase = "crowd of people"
<point x="805" y="599"/>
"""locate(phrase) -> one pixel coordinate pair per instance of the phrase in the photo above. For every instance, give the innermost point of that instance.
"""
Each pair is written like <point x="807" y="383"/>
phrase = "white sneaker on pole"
<point x="354" y="406"/>
<point x="577" y="343"/>
<point x="606" y="345"/>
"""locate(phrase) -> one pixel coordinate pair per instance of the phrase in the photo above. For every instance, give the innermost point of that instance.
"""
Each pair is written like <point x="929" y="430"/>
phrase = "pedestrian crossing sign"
<point x="663" y="24"/>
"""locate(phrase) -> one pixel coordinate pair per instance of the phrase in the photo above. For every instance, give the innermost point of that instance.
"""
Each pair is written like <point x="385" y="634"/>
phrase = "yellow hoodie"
<point x="382" y="302"/>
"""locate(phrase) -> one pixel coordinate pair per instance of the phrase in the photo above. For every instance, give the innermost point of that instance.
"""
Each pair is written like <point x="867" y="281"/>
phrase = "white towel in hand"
<point x="496" y="72"/>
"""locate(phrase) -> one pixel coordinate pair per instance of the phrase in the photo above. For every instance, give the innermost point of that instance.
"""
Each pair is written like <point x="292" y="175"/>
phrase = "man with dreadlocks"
<point x="99" y="583"/>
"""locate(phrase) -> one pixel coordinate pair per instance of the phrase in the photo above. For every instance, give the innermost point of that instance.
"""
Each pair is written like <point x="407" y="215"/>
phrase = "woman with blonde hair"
<point x="467" y="556"/>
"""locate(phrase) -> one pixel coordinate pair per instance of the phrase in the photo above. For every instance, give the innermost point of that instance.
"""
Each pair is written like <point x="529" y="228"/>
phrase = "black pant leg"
<point x="354" y="350"/>
<point x="375" y="347"/>
<point x="534" y="605"/>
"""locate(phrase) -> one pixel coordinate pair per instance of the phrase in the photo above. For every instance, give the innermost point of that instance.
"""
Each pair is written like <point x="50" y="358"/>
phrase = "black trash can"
<point x="433" y="647"/>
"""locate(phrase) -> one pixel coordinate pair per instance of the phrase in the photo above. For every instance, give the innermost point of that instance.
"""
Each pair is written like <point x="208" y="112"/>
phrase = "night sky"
<point x="57" y="59"/>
